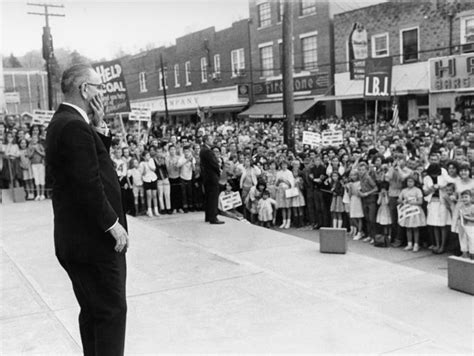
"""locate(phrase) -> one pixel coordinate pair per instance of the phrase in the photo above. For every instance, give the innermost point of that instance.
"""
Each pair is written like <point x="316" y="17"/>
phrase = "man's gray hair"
<point x="74" y="76"/>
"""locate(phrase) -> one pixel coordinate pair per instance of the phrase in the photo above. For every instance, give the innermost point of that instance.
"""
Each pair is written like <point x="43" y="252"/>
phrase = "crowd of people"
<point x="411" y="187"/>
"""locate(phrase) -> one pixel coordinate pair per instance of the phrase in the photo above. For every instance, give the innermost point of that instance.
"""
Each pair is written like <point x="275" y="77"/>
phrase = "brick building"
<point x="412" y="34"/>
<point x="312" y="58"/>
<point x="206" y="75"/>
<point x="25" y="90"/>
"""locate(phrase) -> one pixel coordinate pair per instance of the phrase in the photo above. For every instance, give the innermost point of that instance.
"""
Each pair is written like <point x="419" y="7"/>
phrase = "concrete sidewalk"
<point x="200" y="288"/>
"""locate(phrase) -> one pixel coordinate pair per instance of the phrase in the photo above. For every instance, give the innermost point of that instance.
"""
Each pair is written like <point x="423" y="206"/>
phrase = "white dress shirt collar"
<point x="79" y="110"/>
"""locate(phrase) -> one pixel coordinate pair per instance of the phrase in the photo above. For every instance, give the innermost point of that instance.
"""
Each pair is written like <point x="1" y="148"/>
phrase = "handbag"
<point x="381" y="240"/>
<point x="291" y="192"/>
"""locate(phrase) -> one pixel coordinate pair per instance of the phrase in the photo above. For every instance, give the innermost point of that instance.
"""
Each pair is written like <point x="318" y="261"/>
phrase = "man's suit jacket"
<point x="210" y="170"/>
<point x="86" y="191"/>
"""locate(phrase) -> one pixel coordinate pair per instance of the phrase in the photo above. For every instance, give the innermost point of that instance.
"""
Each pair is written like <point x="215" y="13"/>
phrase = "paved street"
<point x="193" y="287"/>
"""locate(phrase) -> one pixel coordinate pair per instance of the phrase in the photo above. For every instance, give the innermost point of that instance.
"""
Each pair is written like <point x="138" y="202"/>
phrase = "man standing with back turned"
<point x="210" y="172"/>
<point x="90" y="234"/>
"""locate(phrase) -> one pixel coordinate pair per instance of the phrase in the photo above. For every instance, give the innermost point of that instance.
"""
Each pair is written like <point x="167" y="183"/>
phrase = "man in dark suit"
<point x="90" y="234"/>
<point x="210" y="172"/>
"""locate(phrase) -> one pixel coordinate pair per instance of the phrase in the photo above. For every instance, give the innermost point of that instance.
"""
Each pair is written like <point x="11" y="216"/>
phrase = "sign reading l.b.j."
<point x="307" y="83"/>
<point x="115" y="95"/>
<point x="378" y="78"/>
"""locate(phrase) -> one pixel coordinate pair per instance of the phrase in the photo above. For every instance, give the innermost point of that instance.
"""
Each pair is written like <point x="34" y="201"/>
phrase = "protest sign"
<point x="311" y="138"/>
<point x="115" y="95"/>
<point x="230" y="201"/>
<point x="140" y="114"/>
<point x="332" y="138"/>
<point x="407" y="211"/>
<point x="42" y="117"/>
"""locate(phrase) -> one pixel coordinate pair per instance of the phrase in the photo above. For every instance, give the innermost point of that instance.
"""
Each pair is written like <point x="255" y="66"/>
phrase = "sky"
<point x="101" y="29"/>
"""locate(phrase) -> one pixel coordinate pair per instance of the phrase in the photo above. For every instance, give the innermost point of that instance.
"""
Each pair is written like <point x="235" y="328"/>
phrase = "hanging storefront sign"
<point x="452" y="73"/>
<point x="358" y="51"/>
<point x="243" y="90"/>
<point x="115" y="95"/>
<point x="313" y="82"/>
<point x="378" y="78"/>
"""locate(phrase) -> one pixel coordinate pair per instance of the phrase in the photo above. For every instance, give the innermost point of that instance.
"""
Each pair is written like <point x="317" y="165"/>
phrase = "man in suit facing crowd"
<point x="210" y="172"/>
<point x="90" y="234"/>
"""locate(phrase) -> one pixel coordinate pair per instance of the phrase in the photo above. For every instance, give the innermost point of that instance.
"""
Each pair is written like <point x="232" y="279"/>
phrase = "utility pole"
<point x="48" y="50"/>
<point x="163" y="84"/>
<point x="287" y="63"/>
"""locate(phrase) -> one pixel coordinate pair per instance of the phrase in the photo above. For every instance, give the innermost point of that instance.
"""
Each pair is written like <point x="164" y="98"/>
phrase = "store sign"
<point x="224" y="97"/>
<point x="452" y="73"/>
<point x="12" y="97"/>
<point x="115" y="95"/>
<point x="378" y="78"/>
<point x="243" y="90"/>
<point x="358" y="51"/>
<point x="318" y="81"/>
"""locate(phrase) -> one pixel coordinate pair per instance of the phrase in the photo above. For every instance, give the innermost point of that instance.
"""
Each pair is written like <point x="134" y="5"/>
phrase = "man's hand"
<point x="98" y="109"/>
<point x="120" y="235"/>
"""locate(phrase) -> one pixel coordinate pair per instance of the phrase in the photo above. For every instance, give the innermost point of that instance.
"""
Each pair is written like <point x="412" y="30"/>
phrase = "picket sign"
<point x="407" y="211"/>
<point x="230" y="201"/>
<point x="311" y="138"/>
<point x="140" y="114"/>
<point x="42" y="117"/>
<point x="332" y="138"/>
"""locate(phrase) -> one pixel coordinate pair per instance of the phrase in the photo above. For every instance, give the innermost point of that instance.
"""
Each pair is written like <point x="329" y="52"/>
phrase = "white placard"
<point x="311" y="138"/>
<point x="332" y="138"/>
<point x="230" y="201"/>
<point x="140" y="114"/>
<point x="42" y="117"/>
<point x="407" y="211"/>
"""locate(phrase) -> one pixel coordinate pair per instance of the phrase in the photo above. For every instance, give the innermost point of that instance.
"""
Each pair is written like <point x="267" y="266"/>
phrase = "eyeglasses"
<point x="98" y="86"/>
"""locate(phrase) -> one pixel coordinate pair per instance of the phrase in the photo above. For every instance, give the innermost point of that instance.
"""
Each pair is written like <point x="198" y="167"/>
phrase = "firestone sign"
<point x="452" y="73"/>
<point x="318" y="81"/>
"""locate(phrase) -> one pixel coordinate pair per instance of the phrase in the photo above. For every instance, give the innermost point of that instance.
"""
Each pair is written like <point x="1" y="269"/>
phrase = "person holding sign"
<point x="411" y="216"/>
<point x="90" y="233"/>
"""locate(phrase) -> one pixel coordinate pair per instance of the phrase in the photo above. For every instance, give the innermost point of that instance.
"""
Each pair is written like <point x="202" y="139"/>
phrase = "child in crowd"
<point x="251" y="202"/>
<point x="383" y="214"/>
<point x="413" y="197"/>
<point x="356" y="213"/>
<point x="266" y="210"/>
<point x="466" y="225"/>
<point x="135" y="175"/>
<point x="147" y="166"/>
<point x="27" y="172"/>
<point x="337" y="207"/>
<point x="230" y="213"/>
<point x="36" y="153"/>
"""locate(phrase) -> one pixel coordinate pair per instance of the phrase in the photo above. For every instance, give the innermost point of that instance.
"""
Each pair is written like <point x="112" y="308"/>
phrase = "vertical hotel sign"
<point x="452" y="73"/>
<point x="358" y="51"/>
<point x="115" y="95"/>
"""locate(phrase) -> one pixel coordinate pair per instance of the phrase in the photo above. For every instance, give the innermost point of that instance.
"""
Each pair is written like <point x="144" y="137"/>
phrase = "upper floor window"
<point x="467" y="30"/>
<point x="266" y="60"/>
<point x="309" y="49"/>
<point x="307" y="7"/>
<point x="142" y="82"/>
<point x="280" y="10"/>
<point x="217" y="64"/>
<point x="380" y="45"/>
<point x="165" y="72"/>
<point x="187" y="72"/>
<point x="409" y="44"/>
<point x="176" y="75"/>
<point x="264" y="15"/>
<point x="238" y="61"/>
<point x="204" y="69"/>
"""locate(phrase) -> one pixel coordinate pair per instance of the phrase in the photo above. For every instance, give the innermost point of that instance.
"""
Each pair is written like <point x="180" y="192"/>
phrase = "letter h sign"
<point x="448" y="69"/>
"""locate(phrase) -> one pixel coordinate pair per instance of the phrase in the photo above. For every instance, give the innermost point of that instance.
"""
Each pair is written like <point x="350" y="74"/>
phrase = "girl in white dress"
<point x="266" y="209"/>
<point x="284" y="181"/>
<point x="383" y="214"/>
<point x="413" y="197"/>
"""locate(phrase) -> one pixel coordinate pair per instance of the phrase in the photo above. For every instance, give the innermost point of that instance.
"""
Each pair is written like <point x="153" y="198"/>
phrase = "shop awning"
<point x="275" y="110"/>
